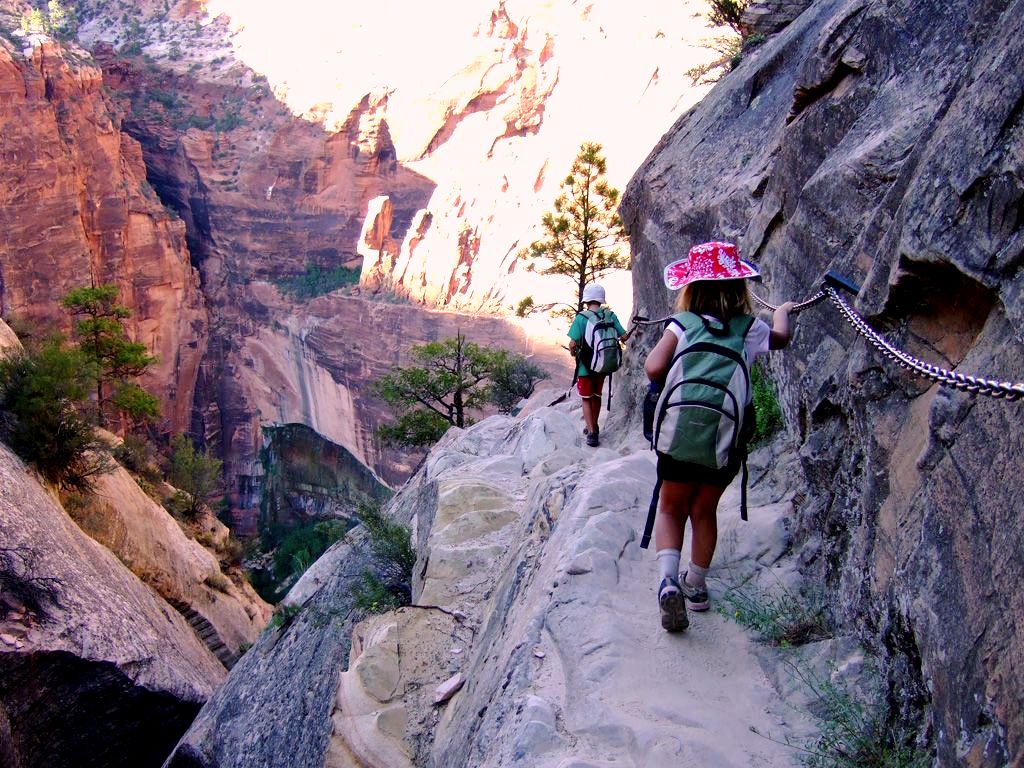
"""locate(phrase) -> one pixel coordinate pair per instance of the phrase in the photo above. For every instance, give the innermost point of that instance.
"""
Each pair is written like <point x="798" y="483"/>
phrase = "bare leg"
<point x="703" y="511"/>
<point x="588" y="415"/>
<point x="591" y="413"/>
<point x="673" y="509"/>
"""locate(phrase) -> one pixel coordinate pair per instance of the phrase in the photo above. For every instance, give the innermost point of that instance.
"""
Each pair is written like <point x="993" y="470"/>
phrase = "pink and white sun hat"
<point x="709" y="261"/>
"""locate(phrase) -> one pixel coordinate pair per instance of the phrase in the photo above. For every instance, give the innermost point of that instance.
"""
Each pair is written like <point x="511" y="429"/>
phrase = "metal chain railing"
<point x="1005" y="390"/>
<point x="815" y="299"/>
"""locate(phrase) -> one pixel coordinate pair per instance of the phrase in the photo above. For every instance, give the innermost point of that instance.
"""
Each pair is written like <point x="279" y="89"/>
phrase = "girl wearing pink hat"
<point x="713" y="298"/>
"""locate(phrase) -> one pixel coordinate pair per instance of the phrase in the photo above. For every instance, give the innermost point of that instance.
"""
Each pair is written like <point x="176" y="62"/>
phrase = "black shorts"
<point x="687" y="472"/>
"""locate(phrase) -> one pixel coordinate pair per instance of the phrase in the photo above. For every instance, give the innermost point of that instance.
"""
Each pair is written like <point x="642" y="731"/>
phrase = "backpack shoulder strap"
<point x="741" y="324"/>
<point x="684" y="320"/>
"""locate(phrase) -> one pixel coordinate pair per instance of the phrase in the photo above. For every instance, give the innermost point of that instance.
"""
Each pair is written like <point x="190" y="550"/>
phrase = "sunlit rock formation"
<point x="421" y="183"/>
<point x="883" y="141"/>
<point x="488" y="109"/>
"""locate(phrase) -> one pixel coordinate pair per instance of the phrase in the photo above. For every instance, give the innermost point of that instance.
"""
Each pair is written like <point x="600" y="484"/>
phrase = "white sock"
<point x="668" y="563"/>
<point x="695" y="575"/>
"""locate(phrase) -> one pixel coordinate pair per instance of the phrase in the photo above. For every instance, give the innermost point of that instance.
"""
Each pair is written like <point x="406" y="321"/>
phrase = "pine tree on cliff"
<point x="584" y="234"/>
<point x="454" y="376"/>
<point x="115" y="360"/>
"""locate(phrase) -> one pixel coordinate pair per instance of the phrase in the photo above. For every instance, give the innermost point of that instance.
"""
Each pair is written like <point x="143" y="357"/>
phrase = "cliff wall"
<point x="76" y="210"/>
<point x="883" y="140"/>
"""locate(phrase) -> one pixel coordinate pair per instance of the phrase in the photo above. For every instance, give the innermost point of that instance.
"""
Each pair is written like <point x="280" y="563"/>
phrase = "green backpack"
<point x="704" y="414"/>
<point x="601" y="352"/>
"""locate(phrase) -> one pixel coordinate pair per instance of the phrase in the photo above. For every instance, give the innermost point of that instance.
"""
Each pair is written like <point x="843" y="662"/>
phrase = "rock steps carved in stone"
<point x="206" y="632"/>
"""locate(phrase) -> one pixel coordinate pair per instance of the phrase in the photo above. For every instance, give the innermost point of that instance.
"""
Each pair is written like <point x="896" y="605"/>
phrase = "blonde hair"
<point x="723" y="299"/>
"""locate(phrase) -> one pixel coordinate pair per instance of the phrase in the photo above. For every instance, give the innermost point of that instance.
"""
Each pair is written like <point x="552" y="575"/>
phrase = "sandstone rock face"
<point x="9" y="343"/>
<point x="77" y="210"/>
<point x="765" y="17"/>
<point x="883" y="141"/>
<point x="95" y="669"/>
<point x="534" y="638"/>
<point x="153" y="546"/>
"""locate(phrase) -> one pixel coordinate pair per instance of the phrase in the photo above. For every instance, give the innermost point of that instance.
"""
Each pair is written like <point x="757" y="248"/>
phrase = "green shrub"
<point x="201" y="122"/>
<point x="139" y="456"/>
<point x="44" y="414"/>
<point x="303" y="546"/>
<point x="232" y="552"/>
<point x="513" y="379"/>
<point x="284" y="614"/>
<point x="388" y="584"/>
<point x="196" y="475"/>
<point x="753" y="41"/>
<point x="317" y="281"/>
<point x="231" y="119"/>
<point x="727" y="13"/>
<point x="167" y="99"/>
<point x="766" y="405"/>
<point x="372" y="595"/>
<point x="856" y="730"/>
<point x="391" y="543"/>
<point x="138" y="405"/>
<point x="414" y="428"/>
<point x="781" y="618"/>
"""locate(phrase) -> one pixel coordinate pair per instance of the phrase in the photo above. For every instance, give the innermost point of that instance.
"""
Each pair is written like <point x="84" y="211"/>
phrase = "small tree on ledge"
<point x="454" y="376"/>
<point x="195" y="474"/>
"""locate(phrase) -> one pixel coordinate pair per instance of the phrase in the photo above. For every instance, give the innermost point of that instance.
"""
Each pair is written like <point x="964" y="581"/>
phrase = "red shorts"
<point x="590" y="386"/>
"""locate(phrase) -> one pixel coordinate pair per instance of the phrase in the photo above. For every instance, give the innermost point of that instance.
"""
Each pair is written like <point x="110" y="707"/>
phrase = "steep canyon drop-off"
<point x="201" y="161"/>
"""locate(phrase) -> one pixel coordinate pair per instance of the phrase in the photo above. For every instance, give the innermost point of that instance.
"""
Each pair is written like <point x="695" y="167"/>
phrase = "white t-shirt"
<point x="754" y="345"/>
